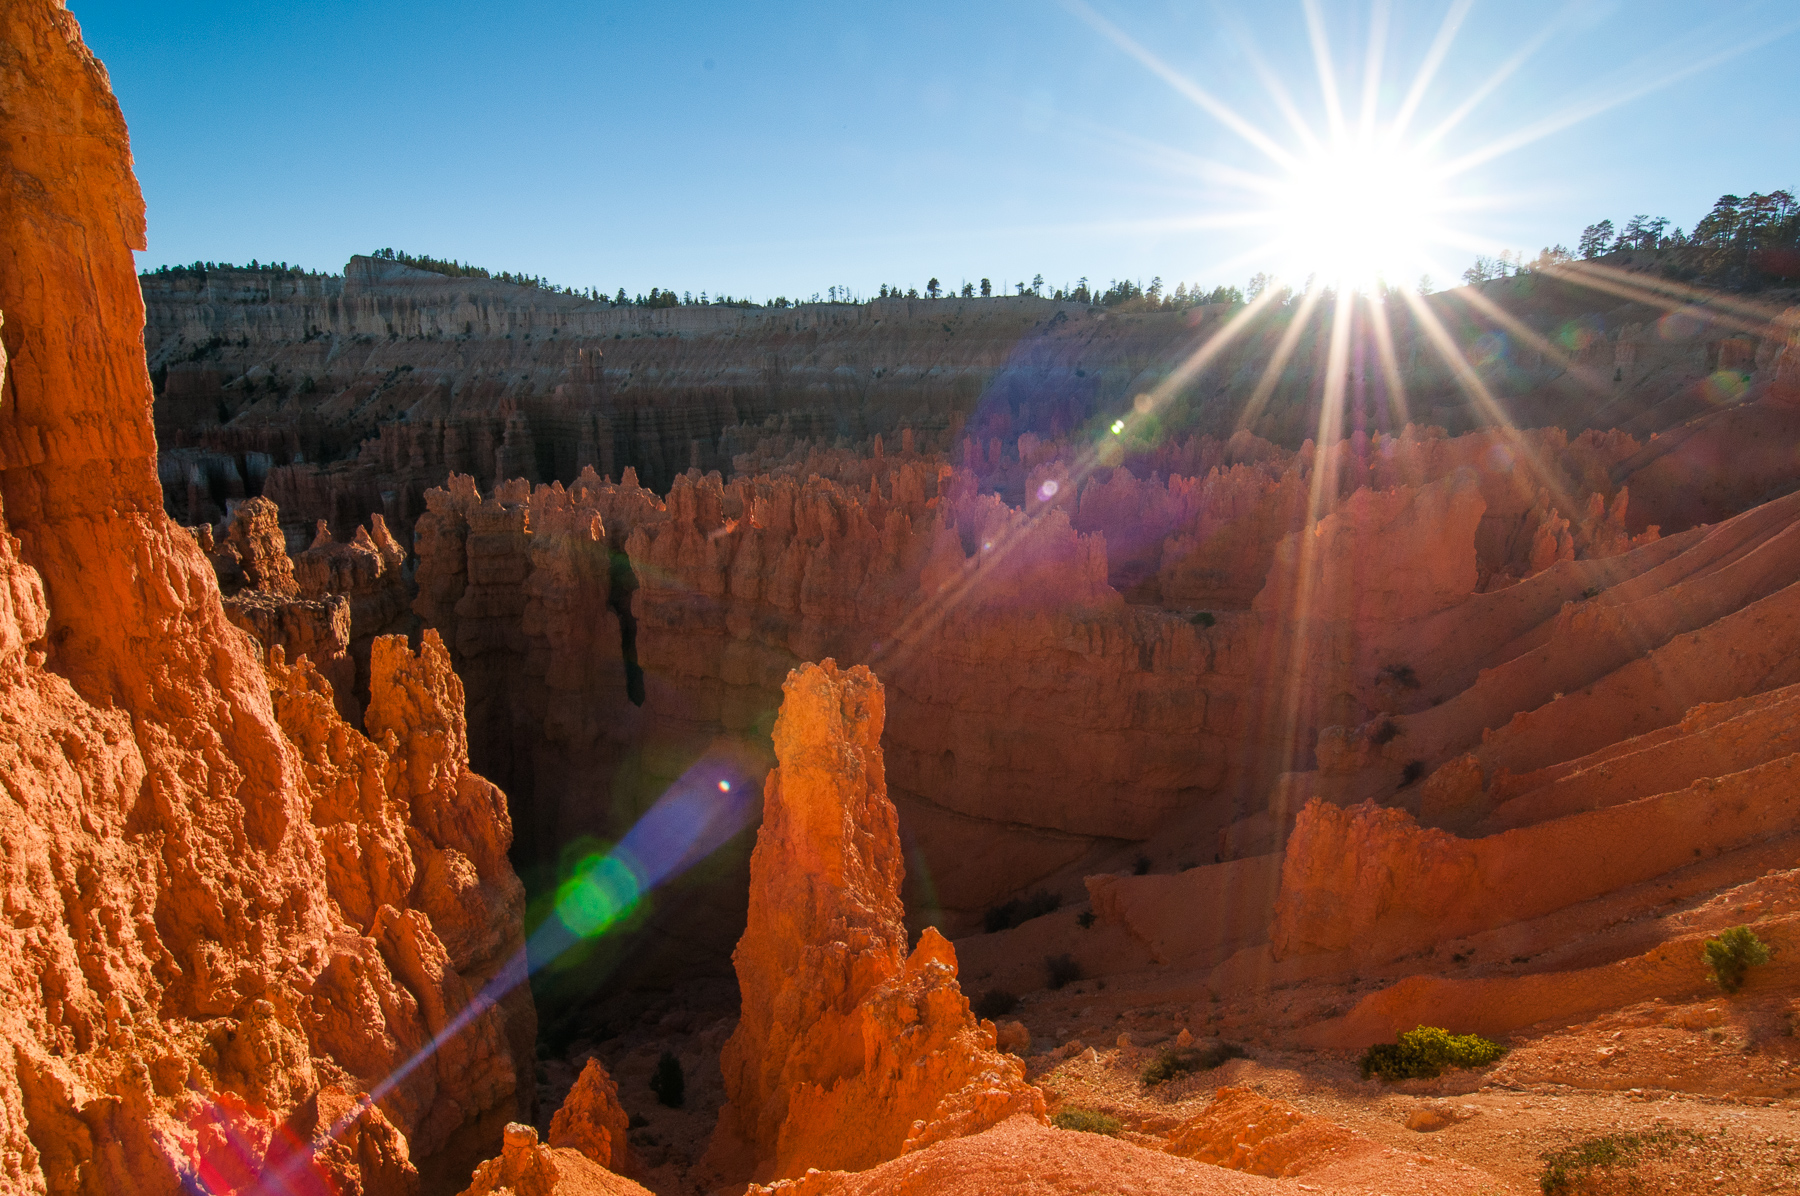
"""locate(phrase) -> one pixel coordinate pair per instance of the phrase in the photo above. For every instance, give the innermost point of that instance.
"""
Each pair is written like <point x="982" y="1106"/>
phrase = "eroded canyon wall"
<point x="1034" y="710"/>
<point x="229" y="913"/>
<point x="346" y="396"/>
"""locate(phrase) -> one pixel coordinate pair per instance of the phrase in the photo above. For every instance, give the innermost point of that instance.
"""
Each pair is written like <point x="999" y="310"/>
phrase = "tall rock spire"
<point x="849" y="1050"/>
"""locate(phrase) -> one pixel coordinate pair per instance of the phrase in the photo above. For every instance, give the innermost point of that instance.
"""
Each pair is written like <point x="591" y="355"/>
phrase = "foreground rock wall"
<point x="217" y="932"/>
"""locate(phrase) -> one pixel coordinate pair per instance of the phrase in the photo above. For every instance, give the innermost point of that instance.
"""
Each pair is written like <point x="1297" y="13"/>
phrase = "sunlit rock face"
<point x="525" y="1167"/>
<point x="230" y="913"/>
<point x="850" y="1049"/>
<point x="256" y="577"/>
<point x="592" y="1121"/>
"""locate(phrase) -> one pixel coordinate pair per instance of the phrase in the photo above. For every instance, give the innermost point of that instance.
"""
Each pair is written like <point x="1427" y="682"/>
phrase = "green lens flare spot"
<point x="1118" y="425"/>
<point x="601" y="891"/>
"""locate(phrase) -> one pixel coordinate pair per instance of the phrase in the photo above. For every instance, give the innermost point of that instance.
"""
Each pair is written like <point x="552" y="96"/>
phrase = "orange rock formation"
<point x="849" y="1050"/>
<point x="524" y="1168"/>
<point x="591" y="1121"/>
<point x="217" y="928"/>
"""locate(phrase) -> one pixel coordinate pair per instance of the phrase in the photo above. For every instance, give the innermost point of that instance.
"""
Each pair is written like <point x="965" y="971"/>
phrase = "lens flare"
<point x="603" y="889"/>
<point x="1724" y="387"/>
<point x="1358" y="212"/>
<point x="1048" y="490"/>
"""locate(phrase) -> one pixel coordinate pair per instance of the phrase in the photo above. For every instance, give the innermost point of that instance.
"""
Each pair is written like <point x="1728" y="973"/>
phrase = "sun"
<point x="1355" y="213"/>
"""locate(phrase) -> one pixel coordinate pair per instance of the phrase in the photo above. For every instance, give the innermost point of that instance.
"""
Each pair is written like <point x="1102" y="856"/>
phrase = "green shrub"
<point x="1732" y="955"/>
<point x="1425" y="1052"/>
<point x="1566" y="1169"/>
<point x="668" y="1083"/>
<point x="1086" y="1120"/>
<point x="1181" y="1061"/>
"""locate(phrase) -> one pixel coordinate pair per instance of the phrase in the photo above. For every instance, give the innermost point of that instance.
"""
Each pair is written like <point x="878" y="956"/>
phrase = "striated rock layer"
<point x="343" y="396"/>
<point x="229" y="913"/>
<point x="849" y="1050"/>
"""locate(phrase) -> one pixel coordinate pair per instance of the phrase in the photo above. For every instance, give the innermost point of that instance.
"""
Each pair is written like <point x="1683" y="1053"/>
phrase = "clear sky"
<point x="763" y="149"/>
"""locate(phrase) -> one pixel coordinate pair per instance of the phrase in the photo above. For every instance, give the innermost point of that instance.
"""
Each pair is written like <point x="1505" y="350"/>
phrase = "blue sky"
<point x="767" y="149"/>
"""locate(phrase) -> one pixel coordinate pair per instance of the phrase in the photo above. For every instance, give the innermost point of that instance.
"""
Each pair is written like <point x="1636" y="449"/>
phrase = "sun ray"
<point x="1465" y="374"/>
<point x="1284" y="349"/>
<point x="1337" y="362"/>
<point x="1576" y="114"/>
<point x="1428" y="69"/>
<point x="1321" y="50"/>
<point x="1181" y="83"/>
<point x="1278" y="92"/>
<point x="1390" y="365"/>
<point x="1629" y="284"/>
<point x="1592" y="379"/>
<point x="1595" y="280"/>
<point x="1489" y="85"/>
<point x="927" y="616"/>
<point x="1485" y="402"/>
<point x="1371" y="83"/>
<point x="1289" y="645"/>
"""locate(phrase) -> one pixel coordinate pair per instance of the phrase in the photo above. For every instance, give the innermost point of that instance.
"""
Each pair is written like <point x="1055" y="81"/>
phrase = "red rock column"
<point x="848" y="1051"/>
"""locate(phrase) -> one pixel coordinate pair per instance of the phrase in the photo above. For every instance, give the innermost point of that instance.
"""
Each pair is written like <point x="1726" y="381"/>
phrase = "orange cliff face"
<point x="1044" y="702"/>
<point x="849" y="1050"/>
<point x="229" y="913"/>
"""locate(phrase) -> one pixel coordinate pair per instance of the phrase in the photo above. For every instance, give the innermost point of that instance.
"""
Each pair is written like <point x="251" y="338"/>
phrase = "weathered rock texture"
<point x="522" y="585"/>
<point x="1546" y="778"/>
<point x="227" y="911"/>
<point x="1281" y="628"/>
<point x="256" y="578"/>
<point x="1246" y="1131"/>
<point x="525" y="1168"/>
<point x="849" y="1050"/>
<point x="592" y="1121"/>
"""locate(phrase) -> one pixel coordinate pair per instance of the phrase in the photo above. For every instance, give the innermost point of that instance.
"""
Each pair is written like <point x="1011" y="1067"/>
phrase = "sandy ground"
<point x="1716" y="1083"/>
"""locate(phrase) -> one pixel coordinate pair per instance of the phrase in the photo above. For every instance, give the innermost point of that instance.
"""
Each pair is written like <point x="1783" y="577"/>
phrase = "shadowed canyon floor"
<point x="455" y="739"/>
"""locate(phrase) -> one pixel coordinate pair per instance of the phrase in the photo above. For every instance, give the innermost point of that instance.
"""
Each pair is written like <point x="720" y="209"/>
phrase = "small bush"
<point x="1732" y="955"/>
<point x="1413" y="771"/>
<point x="1386" y="731"/>
<point x="1425" y="1052"/>
<point x="1566" y="1170"/>
<point x="1086" y="1121"/>
<point x="1141" y="867"/>
<point x="1085" y="919"/>
<point x="1203" y="619"/>
<point x="995" y="1003"/>
<point x="1061" y="970"/>
<point x="1020" y="910"/>
<point x="1176" y="1062"/>
<point x="668" y="1083"/>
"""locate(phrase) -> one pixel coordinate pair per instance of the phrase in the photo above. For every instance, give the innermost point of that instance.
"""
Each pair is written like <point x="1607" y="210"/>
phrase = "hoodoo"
<point x="850" y="1050"/>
